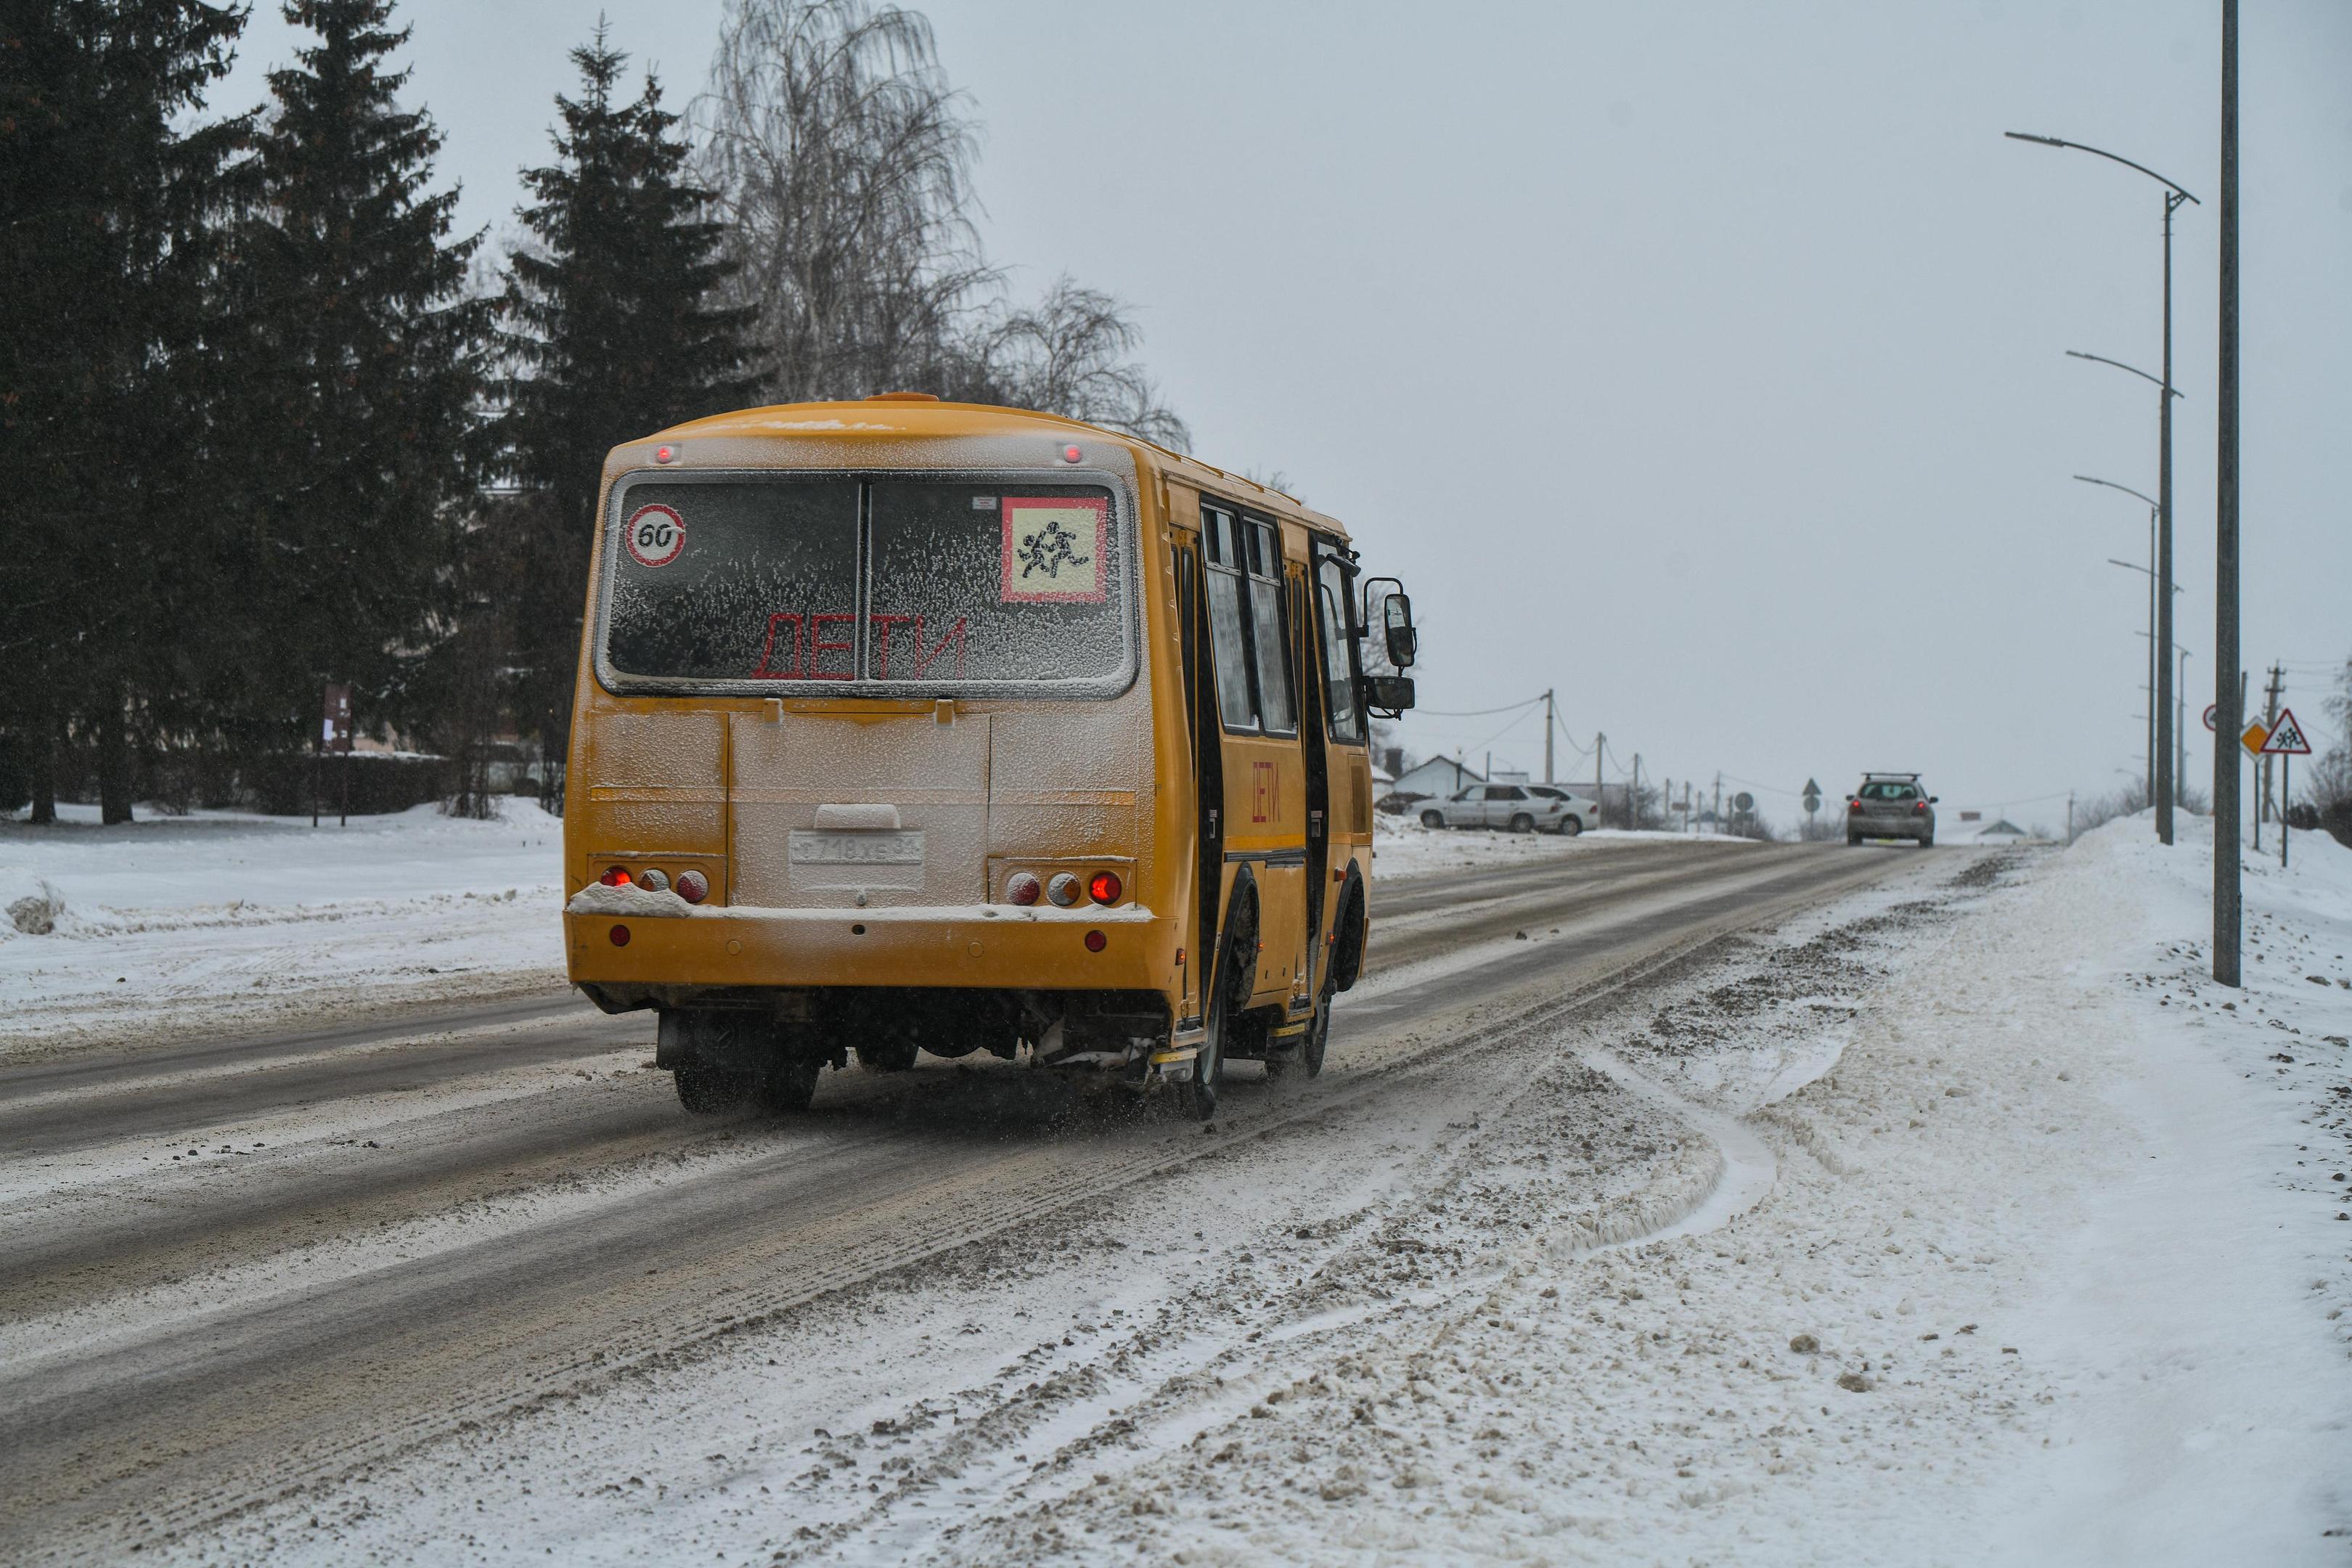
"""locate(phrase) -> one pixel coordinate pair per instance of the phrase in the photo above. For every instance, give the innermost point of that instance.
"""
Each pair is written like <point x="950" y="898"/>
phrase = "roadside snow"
<point x="235" y="919"/>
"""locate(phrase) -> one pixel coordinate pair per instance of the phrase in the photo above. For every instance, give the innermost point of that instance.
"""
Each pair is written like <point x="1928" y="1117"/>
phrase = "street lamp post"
<point x="2165" y="779"/>
<point x="2159" y="743"/>
<point x="2164" y="787"/>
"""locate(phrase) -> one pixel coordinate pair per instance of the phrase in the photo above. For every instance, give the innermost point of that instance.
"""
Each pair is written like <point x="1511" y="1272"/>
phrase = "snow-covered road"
<point x="1663" y="1203"/>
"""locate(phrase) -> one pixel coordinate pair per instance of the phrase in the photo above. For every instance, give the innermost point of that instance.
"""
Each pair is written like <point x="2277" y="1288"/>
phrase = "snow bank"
<point x="31" y="904"/>
<point x="221" y="919"/>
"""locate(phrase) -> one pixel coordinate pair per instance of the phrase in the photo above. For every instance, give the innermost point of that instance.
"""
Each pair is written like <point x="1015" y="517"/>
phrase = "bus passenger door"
<point x="1263" y="783"/>
<point x="1335" y="677"/>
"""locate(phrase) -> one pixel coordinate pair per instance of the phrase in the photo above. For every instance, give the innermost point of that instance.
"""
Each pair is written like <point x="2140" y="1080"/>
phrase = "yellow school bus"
<point x="905" y="726"/>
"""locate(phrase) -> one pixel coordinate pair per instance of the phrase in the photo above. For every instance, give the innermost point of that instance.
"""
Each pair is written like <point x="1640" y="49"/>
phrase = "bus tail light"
<point x="653" y="880"/>
<point x="1062" y="889"/>
<point x="1105" y="888"/>
<point x="1095" y="940"/>
<point x="616" y="876"/>
<point x="693" y="886"/>
<point x="620" y="936"/>
<point x="1022" y="887"/>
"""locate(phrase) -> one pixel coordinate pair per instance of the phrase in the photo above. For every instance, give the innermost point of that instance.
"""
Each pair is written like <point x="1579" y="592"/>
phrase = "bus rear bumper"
<point x="988" y="947"/>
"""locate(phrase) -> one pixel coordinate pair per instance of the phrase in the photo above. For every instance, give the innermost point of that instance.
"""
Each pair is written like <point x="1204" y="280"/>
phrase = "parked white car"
<point x="1515" y="808"/>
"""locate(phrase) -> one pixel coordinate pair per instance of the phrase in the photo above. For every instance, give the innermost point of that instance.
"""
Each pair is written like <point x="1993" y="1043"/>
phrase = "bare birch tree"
<point x="842" y="162"/>
<point x="1068" y="354"/>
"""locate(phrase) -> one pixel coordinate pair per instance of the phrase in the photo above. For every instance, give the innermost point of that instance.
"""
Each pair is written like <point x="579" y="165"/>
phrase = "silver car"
<point x="1890" y="805"/>
<point x="1517" y="808"/>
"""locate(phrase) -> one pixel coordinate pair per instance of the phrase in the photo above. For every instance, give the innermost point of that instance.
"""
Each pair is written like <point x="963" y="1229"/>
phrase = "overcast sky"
<point x="1701" y="361"/>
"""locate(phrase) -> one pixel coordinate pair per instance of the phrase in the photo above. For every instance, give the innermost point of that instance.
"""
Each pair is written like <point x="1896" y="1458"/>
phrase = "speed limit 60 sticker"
<point x="654" y="535"/>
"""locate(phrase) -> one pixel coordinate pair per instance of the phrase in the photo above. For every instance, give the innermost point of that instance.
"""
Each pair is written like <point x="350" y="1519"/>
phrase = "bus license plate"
<point x="856" y="859"/>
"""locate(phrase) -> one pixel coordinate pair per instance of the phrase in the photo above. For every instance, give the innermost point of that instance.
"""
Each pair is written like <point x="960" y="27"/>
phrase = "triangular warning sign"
<point x="2286" y="738"/>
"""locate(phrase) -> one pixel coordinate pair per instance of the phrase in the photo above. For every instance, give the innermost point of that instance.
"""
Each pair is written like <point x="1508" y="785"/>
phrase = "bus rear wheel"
<point x="708" y="1090"/>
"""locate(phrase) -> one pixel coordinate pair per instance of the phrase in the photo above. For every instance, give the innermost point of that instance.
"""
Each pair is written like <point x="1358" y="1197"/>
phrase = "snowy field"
<point x="223" y="920"/>
<point x="1960" y="1222"/>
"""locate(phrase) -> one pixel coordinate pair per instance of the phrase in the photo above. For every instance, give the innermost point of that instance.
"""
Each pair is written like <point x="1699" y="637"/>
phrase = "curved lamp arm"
<point x="2111" y="157"/>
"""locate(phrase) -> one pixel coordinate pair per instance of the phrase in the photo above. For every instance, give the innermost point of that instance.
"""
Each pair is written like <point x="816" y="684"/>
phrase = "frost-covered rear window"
<point x="754" y="581"/>
<point x="990" y="581"/>
<point x="736" y="580"/>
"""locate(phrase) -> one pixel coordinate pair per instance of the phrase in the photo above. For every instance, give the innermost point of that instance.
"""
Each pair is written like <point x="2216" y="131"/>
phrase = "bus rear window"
<point x="755" y="580"/>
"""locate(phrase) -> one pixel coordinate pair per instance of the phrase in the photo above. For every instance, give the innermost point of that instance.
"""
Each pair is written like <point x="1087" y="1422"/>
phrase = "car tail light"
<point x="693" y="886"/>
<point x="616" y="876"/>
<point x="1919" y="806"/>
<point x="1062" y="889"/>
<point x="1853" y="806"/>
<point x="1022" y="887"/>
<point x="1095" y="940"/>
<point x="653" y="880"/>
<point x="620" y="936"/>
<point x="1105" y="888"/>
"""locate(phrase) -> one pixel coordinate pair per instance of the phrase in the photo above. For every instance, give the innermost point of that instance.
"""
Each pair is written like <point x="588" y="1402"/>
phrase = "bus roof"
<point x="900" y="416"/>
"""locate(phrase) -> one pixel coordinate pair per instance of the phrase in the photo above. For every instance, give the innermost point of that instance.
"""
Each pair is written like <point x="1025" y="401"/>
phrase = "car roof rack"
<point x="1913" y="777"/>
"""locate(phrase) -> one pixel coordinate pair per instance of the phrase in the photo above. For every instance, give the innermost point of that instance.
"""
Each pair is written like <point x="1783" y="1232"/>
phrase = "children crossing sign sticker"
<point x="2286" y="739"/>
<point x="1054" y="548"/>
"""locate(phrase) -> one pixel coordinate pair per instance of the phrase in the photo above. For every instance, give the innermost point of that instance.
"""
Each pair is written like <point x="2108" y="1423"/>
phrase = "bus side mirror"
<point x="1387" y="696"/>
<point x="1402" y="642"/>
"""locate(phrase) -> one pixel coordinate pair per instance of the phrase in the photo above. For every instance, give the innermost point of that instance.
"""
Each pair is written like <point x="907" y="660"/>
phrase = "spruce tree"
<point x="614" y="331"/>
<point x="111" y="201"/>
<point x="367" y="364"/>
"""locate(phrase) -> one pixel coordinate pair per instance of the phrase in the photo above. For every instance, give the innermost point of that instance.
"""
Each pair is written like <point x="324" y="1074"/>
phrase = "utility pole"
<point x="1599" y="805"/>
<point x="1719" y="803"/>
<point x="1552" y="716"/>
<point x="2070" y="817"/>
<point x="2229" y="706"/>
<point x="1633" y="798"/>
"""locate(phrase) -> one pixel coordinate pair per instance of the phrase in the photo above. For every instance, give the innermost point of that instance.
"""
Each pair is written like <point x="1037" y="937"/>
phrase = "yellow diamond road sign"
<point x="2254" y="738"/>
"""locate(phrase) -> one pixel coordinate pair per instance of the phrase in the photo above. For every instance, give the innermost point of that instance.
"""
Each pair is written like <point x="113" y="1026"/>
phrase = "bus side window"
<point x="1228" y="636"/>
<point x="1332" y="601"/>
<point x="1270" y="647"/>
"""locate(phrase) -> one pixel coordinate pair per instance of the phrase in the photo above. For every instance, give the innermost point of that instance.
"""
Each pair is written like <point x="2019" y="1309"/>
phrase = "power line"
<point x="1476" y="712"/>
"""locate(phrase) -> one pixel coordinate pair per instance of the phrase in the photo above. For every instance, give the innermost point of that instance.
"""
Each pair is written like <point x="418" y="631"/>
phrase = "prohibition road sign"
<point x="654" y="535"/>
<point x="2211" y="708"/>
<point x="1743" y="801"/>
